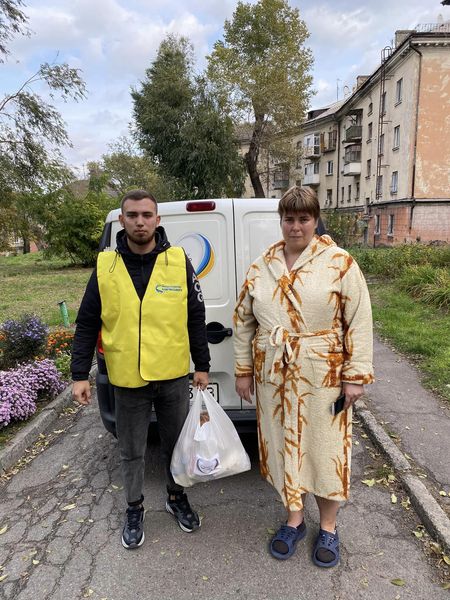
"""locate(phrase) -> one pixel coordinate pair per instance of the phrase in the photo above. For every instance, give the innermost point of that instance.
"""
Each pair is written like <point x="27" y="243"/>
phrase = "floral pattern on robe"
<point x="301" y="333"/>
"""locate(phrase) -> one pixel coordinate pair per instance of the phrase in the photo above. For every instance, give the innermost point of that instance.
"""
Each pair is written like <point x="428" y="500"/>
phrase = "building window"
<point x="330" y="167"/>
<point x="383" y="104"/>
<point x="396" y="137"/>
<point x="316" y="168"/>
<point x="332" y="137"/>
<point x="349" y="196"/>
<point x="370" y="110"/>
<point x="369" y="132"/>
<point x="390" y="230"/>
<point x="379" y="190"/>
<point x="369" y="168"/>
<point x="399" y="91"/>
<point x="377" y="225"/>
<point x="342" y="194"/>
<point x="357" y="191"/>
<point x="381" y="144"/>
<point x="394" y="182"/>
<point x="329" y="200"/>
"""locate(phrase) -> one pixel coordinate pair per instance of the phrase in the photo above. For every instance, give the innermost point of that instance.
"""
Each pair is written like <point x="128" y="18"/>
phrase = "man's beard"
<point x="141" y="241"/>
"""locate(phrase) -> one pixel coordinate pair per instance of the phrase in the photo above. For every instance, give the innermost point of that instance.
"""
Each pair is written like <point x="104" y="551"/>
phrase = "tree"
<point x="182" y="128"/>
<point x="12" y="22"/>
<point x="31" y="130"/>
<point x="127" y="167"/>
<point x="262" y="68"/>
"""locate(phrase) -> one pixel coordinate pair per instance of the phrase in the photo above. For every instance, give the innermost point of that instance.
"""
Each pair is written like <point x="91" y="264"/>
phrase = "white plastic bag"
<point x="210" y="450"/>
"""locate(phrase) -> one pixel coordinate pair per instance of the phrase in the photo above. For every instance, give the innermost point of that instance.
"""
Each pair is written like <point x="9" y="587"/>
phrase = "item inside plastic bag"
<point x="207" y="449"/>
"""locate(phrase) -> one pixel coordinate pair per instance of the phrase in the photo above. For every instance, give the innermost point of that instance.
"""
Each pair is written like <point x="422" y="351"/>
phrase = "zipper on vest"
<point x="140" y="315"/>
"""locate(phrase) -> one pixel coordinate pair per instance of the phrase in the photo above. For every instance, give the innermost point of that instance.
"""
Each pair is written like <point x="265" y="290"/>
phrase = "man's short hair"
<point x="299" y="199"/>
<point x="138" y="195"/>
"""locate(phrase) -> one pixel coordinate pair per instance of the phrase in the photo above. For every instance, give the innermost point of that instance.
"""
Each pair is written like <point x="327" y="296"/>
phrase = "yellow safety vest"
<point x="144" y="340"/>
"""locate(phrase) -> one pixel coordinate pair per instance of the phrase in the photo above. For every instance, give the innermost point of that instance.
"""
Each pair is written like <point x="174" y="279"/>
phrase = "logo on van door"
<point x="200" y="252"/>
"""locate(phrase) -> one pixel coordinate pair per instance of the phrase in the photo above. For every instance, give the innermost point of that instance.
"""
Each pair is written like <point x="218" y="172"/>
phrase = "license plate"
<point x="213" y="389"/>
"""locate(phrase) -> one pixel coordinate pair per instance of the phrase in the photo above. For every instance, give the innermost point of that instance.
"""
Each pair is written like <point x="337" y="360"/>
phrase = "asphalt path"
<point x="63" y="515"/>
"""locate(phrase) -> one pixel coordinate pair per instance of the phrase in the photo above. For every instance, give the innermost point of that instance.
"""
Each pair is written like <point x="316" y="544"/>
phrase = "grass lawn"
<point x="419" y="330"/>
<point x="31" y="284"/>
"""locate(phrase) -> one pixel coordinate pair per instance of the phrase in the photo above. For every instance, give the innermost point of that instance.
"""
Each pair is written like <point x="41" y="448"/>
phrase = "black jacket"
<point x="139" y="267"/>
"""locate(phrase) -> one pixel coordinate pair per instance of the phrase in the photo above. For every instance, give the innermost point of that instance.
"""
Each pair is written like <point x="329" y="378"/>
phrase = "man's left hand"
<point x="200" y="380"/>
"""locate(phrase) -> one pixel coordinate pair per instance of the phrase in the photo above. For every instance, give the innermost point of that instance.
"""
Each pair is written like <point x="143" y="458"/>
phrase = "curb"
<point x="433" y="517"/>
<point x="30" y="433"/>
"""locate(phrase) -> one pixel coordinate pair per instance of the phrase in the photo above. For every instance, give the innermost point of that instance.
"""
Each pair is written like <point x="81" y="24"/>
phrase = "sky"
<point x="113" y="42"/>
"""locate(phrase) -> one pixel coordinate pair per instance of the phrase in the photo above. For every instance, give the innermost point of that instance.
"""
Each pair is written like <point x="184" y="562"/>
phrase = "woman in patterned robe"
<point x="303" y="334"/>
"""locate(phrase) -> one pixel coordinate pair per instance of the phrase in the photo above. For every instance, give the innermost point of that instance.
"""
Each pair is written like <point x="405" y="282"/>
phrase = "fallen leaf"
<point x="446" y="559"/>
<point x="155" y="541"/>
<point x="391" y="477"/>
<point x="65" y="467"/>
<point x="177" y="553"/>
<point x="418" y="534"/>
<point x="3" y="577"/>
<point x="435" y="547"/>
<point x="364" y="435"/>
<point x="68" y="507"/>
<point x="88" y="593"/>
<point x="393" y="499"/>
<point x="35" y="562"/>
<point x="398" y="582"/>
<point x="368" y="482"/>
<point x="442" y="493"/>
<point x="33" y="553"/>
<point x="271" y="531"/>
<point x="446" y="586"/>
<point x="4" y="529"/>
<point x="205" y="578"/>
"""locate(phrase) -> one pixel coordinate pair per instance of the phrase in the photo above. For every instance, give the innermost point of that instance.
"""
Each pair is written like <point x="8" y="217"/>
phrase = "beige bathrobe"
<point x="301" y="334"/>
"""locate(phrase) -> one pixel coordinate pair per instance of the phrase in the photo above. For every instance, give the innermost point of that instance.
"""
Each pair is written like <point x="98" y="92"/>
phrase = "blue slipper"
<point x="329" y="544"/>
<point x="285" y="540"/>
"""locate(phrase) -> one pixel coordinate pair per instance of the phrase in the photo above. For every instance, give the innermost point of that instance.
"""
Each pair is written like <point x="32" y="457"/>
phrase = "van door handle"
<point x="216" y="332"/>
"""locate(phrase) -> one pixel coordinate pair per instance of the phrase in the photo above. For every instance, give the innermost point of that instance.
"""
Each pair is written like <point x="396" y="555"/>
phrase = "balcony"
<point x="312" y="151"/>
<point x="353" y="134"/>
<point x="352" y="160"/>
<point x="311" y="179"/>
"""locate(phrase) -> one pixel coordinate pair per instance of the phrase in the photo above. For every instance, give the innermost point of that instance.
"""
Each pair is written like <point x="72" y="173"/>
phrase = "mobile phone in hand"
<point x="338" y="406"/>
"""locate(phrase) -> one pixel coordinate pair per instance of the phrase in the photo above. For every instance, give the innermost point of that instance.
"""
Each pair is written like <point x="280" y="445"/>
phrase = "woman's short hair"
<point x="299" y="199"/>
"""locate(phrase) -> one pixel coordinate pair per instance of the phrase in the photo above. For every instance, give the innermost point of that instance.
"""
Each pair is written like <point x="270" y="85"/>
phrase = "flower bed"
<point x="35" y="366"/>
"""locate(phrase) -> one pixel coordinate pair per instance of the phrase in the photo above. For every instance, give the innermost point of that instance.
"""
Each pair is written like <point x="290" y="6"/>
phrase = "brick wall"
<point x="423" y="223"/>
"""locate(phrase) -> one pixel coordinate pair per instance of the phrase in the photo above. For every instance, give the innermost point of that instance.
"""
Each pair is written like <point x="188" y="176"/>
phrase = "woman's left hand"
<point x="352" y="392"/>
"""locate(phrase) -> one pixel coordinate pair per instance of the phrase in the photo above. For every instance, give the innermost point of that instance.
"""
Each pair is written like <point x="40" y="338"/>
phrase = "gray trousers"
<point x="133" y="412"/>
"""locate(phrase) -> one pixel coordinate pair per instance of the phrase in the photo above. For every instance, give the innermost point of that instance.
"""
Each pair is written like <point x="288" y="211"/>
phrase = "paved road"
<point x="64" y="514"/>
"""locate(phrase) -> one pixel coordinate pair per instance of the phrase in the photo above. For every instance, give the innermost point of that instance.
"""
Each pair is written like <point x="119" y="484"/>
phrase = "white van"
<point x="221" y="237"/>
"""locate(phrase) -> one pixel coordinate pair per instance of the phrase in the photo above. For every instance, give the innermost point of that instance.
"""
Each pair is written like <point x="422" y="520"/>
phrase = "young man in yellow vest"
<point x="147" y="302"/>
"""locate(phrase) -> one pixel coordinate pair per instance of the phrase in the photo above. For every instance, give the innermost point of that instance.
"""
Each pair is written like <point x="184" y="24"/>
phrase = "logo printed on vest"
<point x="162" y="289"/>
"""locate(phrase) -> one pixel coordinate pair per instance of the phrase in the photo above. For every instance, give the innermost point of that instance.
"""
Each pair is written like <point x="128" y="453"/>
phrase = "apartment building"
<point x="384" y="150"/>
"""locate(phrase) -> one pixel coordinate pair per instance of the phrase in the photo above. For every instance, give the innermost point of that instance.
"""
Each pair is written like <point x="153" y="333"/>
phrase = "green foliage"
<point x="182" y="129"/>
<point x="127" y="168"/>
<point x="391" y="262"/>
<point x="74" y="225"/>
<point x="32" y="132"/>
<point x="427" y="283"/>
<point x="418" y="329"/>
<point x="62" y="363"/>
<point x="344" y="228"/>
<point x="263" y="68"/>
<point x="12" y="21"/>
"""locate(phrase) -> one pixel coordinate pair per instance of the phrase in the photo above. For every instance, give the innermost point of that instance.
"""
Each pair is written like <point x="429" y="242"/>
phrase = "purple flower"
<point x="22" y="387"/>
